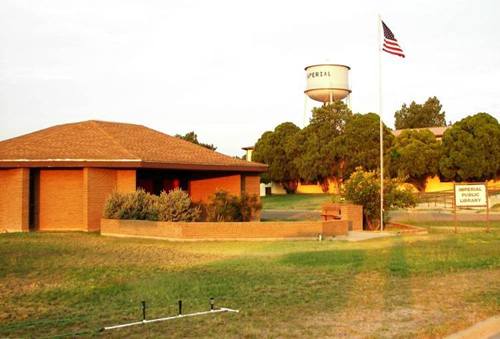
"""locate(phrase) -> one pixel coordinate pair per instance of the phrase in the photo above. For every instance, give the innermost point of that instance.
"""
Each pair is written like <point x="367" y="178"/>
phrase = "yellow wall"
<point x="433" y="184"/>
<point x="314" y="189"/>
<point x="277" y="188"/>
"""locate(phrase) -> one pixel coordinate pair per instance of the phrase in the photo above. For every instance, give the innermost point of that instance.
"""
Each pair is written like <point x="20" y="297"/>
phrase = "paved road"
<point x="290" y="215"/>
<point x="420" y="215"/>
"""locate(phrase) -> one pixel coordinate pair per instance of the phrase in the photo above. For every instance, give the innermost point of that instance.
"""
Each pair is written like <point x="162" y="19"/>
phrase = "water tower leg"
<point x="305" y="110"/>
<point x="331" y="97"/>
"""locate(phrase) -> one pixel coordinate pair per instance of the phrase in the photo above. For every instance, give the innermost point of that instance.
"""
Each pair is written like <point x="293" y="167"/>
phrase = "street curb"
<point x="409" y="229"/>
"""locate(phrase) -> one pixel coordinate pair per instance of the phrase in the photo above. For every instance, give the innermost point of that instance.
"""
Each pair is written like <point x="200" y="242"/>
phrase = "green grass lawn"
<point x="427" y="285"/>
<point x="295" y="201"/>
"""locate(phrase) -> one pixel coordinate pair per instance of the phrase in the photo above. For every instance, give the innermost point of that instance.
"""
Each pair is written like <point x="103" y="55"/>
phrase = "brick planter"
<point x="353" y="213"/>
<point x="349" y="212"/>
<point x="222" y="230"/>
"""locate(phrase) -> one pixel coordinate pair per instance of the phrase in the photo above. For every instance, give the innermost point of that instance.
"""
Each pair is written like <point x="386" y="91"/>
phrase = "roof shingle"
<point x="111" y="142"/>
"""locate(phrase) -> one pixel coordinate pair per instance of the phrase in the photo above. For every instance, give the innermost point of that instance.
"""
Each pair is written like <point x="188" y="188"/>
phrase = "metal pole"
<point x="487" y="208"/>
<point x="379" y="22"/>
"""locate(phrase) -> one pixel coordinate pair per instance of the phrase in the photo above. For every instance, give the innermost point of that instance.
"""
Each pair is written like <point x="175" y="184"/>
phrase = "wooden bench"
<point x="331" y="211"/>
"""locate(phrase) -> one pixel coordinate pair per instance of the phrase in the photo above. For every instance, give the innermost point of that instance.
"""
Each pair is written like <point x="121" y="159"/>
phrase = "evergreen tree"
<point x="415" y="156"/>
<point x="471" y="149"/>
<point x="192" y="137"/>
<point x="419" y="116"/>
<point x="273" y="148"/>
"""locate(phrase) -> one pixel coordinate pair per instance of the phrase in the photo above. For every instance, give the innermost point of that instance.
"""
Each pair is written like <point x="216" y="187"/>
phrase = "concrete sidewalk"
<point x="363" y="235"/>
<point x="489" y="328"/>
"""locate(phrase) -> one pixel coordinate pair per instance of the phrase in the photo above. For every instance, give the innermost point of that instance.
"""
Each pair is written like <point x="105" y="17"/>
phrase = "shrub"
<point x="249" y="206"/>
<point x="226" y="207"/>
<point x="363" y="188"/>
<point x="138" y="205"/>
<point x="176" y="205"/>
<point x="223" y="207"/>
<point x="114" y="205"/>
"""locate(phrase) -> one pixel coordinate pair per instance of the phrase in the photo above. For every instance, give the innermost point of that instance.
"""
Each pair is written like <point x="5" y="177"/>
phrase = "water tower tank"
<point x="327" y="82"/>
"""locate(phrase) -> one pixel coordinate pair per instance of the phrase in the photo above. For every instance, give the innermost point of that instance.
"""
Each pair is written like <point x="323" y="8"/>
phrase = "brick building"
<point x="60" y="177"/>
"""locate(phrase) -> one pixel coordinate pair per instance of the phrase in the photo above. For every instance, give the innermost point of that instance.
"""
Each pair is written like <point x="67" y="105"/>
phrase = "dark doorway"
<point x="156" y="181"/>
<point x="34" y="204"/>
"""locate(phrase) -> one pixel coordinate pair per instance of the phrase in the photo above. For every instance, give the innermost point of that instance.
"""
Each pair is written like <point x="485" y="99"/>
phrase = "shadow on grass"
<point x="397" y="286"/>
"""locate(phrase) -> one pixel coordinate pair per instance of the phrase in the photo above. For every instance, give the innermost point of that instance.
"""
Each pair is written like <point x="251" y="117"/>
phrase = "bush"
<point x="249" y="206"/>
<point x="223" y="207"/>
<point x="140" y="205"/>
<point x="176" y="205"/>
<point x="363" y="188"/>
<point x="226" y="207"/>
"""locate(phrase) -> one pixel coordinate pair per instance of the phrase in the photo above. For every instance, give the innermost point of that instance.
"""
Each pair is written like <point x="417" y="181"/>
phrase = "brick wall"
<point x="97" y="186"/>
<point x="74" y="199"/>
<point x="61" y="200"/>
<point x="222" y="230"/>
<point x="201" y="189"/>
<point x="353" y="213"/>
<point x="125" y="180"/>
<point x="14" y="200"/>
<point x="252" y="185"/>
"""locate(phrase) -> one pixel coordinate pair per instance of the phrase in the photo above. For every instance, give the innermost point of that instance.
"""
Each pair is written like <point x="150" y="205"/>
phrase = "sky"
<point x="231" y="70"/>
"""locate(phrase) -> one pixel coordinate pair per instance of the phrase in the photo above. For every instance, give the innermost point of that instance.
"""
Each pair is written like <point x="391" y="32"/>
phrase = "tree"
<point x="419" y="116"/>
<point x="361" y="143"/>
<point x="415" y="155"/>
<point x="273" y="148"/>
<point x="471" y="149"/>
<point x="192" y="137"/>
<point x="317" y="155"/>
<point x="363" y="188"/>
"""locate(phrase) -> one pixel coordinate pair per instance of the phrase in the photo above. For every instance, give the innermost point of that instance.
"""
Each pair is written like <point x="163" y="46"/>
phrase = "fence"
<point x="444" y="199"/>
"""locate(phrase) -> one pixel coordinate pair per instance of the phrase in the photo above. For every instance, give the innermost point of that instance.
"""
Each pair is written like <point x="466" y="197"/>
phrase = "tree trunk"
<point x="290" y="186"/>
<point x="371" y="225"/>
<point x="324" y="185"/>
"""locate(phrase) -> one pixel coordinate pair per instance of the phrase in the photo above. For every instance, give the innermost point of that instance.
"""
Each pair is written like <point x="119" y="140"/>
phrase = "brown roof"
<point x="437" y="131"/>
<point x="110" y="144"/>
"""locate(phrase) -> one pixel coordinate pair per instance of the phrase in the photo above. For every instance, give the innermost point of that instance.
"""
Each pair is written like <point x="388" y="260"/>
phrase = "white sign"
<point x="471" y="195"/>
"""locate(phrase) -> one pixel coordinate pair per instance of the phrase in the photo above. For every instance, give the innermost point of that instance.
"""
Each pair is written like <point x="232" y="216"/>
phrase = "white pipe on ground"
<point x="145" y="321"/>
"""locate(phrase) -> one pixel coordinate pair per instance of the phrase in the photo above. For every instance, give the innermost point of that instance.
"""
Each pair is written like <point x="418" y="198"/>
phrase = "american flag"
<point x="390" y="43"/>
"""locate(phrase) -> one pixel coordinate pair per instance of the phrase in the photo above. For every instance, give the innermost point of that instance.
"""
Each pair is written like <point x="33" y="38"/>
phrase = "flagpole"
<point x="379" y="24"/>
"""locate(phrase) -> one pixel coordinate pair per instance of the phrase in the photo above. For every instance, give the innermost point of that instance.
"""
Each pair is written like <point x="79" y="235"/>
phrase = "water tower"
<point x="327" y="83"/>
